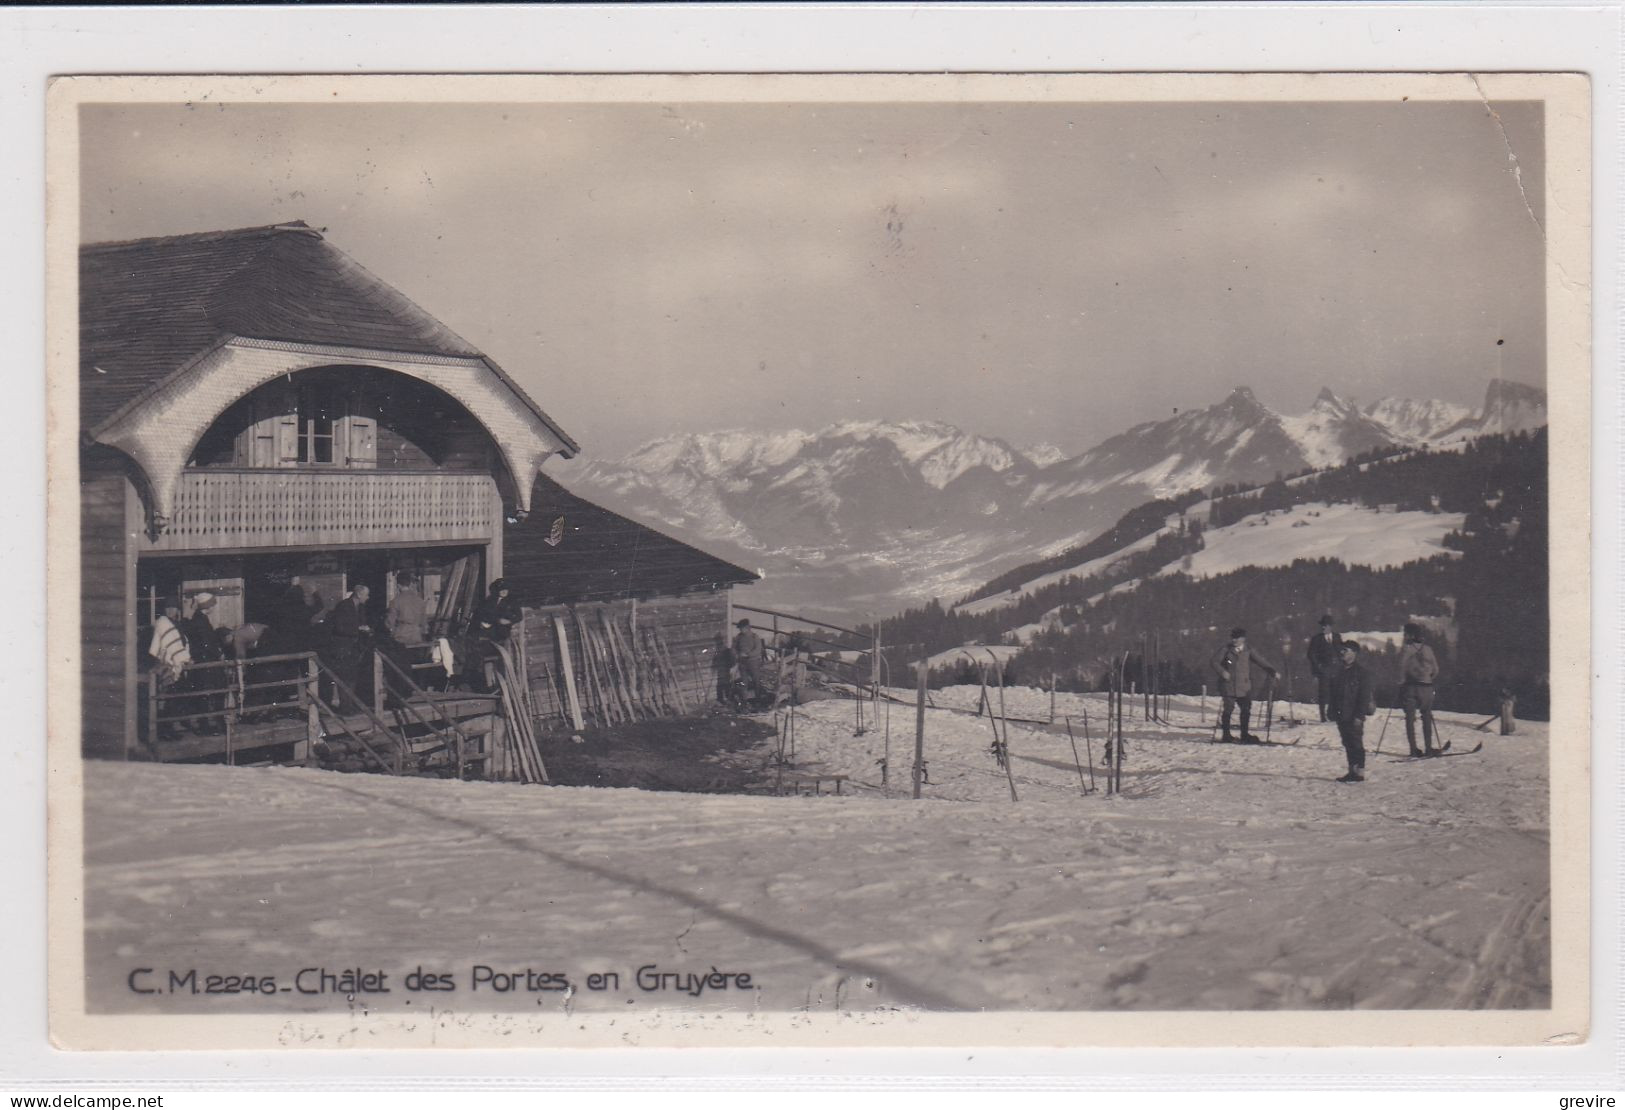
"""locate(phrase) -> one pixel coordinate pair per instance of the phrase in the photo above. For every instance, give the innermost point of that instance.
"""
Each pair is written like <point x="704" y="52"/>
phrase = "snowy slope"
<point x="1357" y="536"/>
<point x="1223" y="877"/>
<point x="1081" y="570"/>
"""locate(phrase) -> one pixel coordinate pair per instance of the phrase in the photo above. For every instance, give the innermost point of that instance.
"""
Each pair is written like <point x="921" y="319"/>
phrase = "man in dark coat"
<point x="348" y="645"/>
<point x="1324" y="661"/>
<point x="493" y="622"/>
<point x="495" y="617"/>
<point x="1351" y="704"/>
<point x="1418" y="669"/>
<point x="203" y="642"/>
<point x="1234" y="667"/>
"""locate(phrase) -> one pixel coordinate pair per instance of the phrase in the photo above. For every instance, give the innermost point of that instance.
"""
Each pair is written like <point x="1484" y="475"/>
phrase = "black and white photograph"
<point x="686" y="560"/>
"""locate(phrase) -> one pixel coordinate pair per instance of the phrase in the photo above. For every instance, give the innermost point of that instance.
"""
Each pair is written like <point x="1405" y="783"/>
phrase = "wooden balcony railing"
<point x="217" y="509"/>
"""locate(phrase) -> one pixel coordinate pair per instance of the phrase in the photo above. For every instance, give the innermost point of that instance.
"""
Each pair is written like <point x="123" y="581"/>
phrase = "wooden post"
<point x="310" y="692"/>
<point x="1286" y="681"/>
<point x="231" y="736"/>
<point x="1052" y="697"/>
<point x="152" y="713"/>
<point x="1204" y="703"/>
<point x="874" y="663"/>
<point x="1145" y="683"/>
<point x="1111" y="725"/>
<point x="377" y="683"/>
<point x="1148" y="668"/>
<point x="1117" y="748"/>
<point x="919" y="729"/>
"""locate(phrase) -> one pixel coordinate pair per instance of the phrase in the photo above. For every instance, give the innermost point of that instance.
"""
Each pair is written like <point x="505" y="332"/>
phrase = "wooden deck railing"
<point x="277" y="701"/>
<point x="218" y="509"/>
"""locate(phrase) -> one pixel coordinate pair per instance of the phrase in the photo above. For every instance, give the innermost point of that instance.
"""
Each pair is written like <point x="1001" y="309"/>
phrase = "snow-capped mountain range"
<point x="868" y="516"/>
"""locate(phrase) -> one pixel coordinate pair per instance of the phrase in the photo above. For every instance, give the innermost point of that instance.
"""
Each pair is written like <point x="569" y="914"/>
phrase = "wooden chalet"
<point x="258" y="410"/>
<point x="260" y="415"/>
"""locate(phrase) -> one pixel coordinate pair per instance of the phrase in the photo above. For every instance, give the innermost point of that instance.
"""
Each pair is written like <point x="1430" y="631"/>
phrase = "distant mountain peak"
<point x="1043" y="454"/>
<point x="1242" y="404"/>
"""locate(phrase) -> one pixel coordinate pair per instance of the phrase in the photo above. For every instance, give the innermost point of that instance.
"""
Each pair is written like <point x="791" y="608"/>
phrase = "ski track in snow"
<point x="1224" y="877"/>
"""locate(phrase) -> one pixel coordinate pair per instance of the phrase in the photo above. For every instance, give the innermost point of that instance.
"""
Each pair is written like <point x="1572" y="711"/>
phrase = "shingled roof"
<point x="148" y="307"/>
<point x="602" y="556"/>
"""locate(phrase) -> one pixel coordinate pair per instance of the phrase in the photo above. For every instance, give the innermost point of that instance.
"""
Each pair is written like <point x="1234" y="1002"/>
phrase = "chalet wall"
<point x="108" y="517"/>
<point x="694" y="629"/>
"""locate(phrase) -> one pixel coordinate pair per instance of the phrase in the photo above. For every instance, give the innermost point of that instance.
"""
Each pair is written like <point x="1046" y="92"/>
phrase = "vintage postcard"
<point x="1025" y="560"/>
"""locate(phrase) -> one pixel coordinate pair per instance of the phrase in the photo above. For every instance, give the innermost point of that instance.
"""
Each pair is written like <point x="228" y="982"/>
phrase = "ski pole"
<point x="1075" y="761"/>
<point x="1269" y="707"/>
<point x="1384" y="731"/>
<point x="1089" y="750"/>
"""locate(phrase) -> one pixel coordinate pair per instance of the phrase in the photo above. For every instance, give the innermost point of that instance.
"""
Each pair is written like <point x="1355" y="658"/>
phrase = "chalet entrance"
<point x="252" y="588"/>
<point x="266" y="686"/>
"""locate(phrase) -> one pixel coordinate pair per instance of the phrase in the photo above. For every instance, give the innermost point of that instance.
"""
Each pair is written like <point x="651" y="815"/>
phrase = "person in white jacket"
<point x="169" y="651"/>
<point x="168" y="645"/>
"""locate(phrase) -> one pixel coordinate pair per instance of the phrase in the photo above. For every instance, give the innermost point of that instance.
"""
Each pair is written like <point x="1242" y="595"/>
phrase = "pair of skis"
<point x="1256" y="743"/>
<point x="1439" y="754"/>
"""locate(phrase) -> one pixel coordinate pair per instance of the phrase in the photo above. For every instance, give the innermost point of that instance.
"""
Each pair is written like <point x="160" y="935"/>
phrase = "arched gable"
<point x="161" y="431"/>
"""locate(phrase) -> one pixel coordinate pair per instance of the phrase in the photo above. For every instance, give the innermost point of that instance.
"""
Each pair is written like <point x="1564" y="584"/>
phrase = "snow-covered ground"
<point x="1357" y="536"/>
<point x="1223" y="876"/>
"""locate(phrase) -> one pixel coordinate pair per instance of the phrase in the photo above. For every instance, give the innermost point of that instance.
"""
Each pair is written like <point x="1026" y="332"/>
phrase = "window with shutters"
<point x="324" y="420"/>
<point x="315" y="438"/>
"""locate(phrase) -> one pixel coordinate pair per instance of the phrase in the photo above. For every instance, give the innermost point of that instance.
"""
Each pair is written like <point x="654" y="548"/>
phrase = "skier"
<point x="748" y="653"/>
<point x="1324" y="660"/>
<point x="1418" y="668"/>
<point x="1234" y="666"/>
<point x="1351" y="703"/>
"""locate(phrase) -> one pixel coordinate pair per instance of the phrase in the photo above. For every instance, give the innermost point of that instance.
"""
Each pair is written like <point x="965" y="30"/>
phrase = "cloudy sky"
<point x="1038" y="272"/>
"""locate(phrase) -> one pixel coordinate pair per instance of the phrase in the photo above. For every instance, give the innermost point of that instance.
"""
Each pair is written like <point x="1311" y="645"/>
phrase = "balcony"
<point x="231" y="509"/>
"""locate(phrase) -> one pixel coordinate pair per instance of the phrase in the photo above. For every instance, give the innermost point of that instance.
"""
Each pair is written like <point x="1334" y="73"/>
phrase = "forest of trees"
<point x="1488" y="601"/>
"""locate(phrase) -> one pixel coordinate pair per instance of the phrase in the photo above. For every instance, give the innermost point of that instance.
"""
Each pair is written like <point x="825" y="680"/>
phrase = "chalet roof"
<point x="602" y="556"/>
<point x="148" y="307"/>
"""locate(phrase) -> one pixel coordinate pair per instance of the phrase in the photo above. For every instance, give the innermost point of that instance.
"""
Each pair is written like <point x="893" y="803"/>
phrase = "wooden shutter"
<point x="287" y="439"/>
<point x="361" y="441"/>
